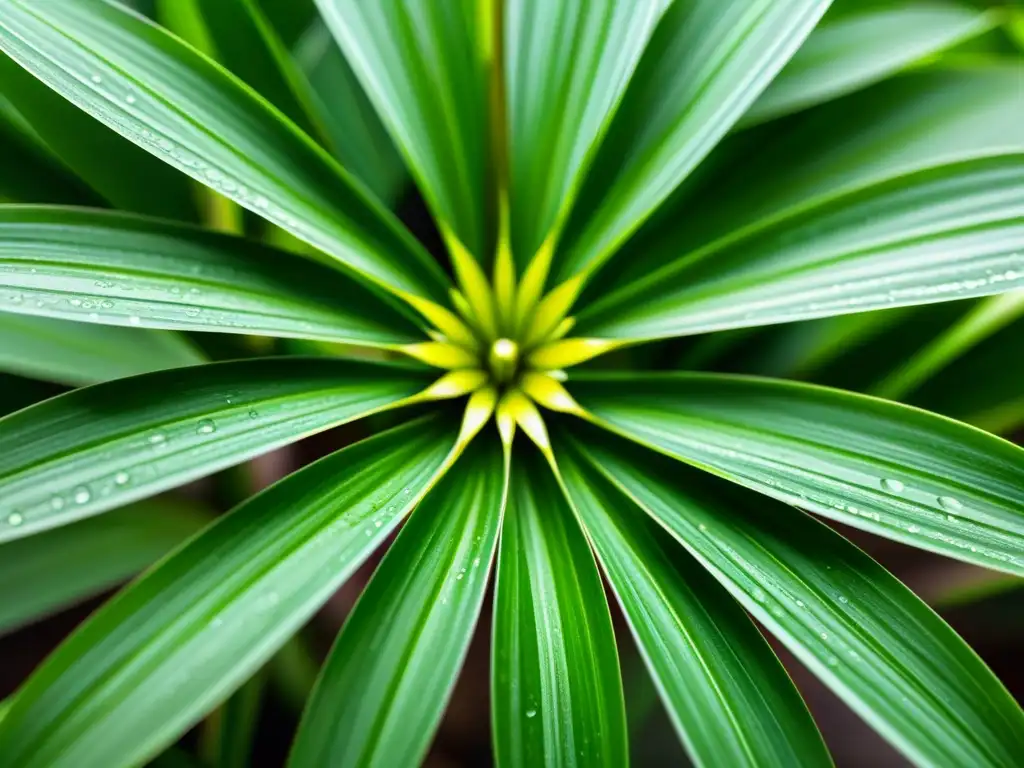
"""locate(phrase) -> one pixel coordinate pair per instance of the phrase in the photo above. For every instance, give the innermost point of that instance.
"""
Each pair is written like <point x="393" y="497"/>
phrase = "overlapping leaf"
<point x="78" y="353"/>
<point x="729" y="697"/>
<point x="164" y="96"/>
<point x="866" y="45"/>
<point x="893" y="470"/>
<point x="177" y="642"/>
<point x="556" y="696"/>
<point x="113" y="268"/>
<point x="566" y="67"/>
<point x="907" y="193"/>
<point x="423" y="66"/>
<point x="705" y="65"/>
<point x="100" y="447"/>
<point x="47" y="572"/>
<point x="401" y="649"/>
<point x="854" y="625"/>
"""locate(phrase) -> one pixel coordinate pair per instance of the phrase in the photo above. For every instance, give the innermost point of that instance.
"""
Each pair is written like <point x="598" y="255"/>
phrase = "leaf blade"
<point x="556" y="694"/>
<point x="403" y="645"/>
<point x="96" y="448"/>
<point x="886" y="468"/>
<point x="857" y="627"/>
<point x="197" y="626"/>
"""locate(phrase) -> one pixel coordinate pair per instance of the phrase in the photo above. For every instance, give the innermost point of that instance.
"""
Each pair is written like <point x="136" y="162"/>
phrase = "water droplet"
<point x="407" y="491"/>
<point x="832" y="661"/>
<point x="134" y="320"/>
<point x="15" y="519"/>
<point x="82" y="495"/>
<point x="531" y="713"/>
<point x="476" y="562"/>
<point x="913" y="529"/>
<point x="377" y="523"/>
<point x="107" y="304"/>
<point x="459" y="577"/>
<point x="253" y="415"/>
<point x="157" y="438"/>
<point x="891" y="485"/>
<point x="824" y="635"/>
<point x="948" y="502"/>
<point x="130" y="99"/>
<point x="702" y="527"/>
<point x="96" y="79"/>
<point x="75" y="302"/>
<point x="206" y="427"/>
<point x="799" y="603"/>
<point x="57" y="503"/>
<point x="843" y="600"/>
<point x="121" y="478"/>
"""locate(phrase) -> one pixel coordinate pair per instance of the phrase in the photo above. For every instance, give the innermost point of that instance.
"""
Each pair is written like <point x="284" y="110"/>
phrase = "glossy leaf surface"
<point x="45" y="573"/>
<point x="177" y="642"/>
<point x="100" y="447"/>
<point x="389" y="676"/>
<point x="556" y="696"/>
<point x="727" y="694"/>
<point x="423" y="67"/>
<point x="94" y="266"/>
<point x="176" y="104"/>
<point x="704" y="66"/>
<point x="890" y="469"/>
<point x="871" y="640"/>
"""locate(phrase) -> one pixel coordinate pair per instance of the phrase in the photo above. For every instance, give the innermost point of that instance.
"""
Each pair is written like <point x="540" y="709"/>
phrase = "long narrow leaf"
<point x="178" y="641"/>
<point x="890" y="469"/>
<point x="172" y="101"/>
<point x="45" y="573"/>
<point x="392" y="669"/>
<point x="101" y="447"/>
<point x="112" y="268"/>
<point x="854" y="625"/>
<point x="725" y="690"/>
<point x="556" y="695"/>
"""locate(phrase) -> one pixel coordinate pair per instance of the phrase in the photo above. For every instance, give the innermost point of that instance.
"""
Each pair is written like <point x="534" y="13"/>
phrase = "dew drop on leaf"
<point x="82" y="495"/>
<point x="531" y="713"/>
<point x="121" y="478"/>
<point x="157" y="438"/>
<point x="57" y="503"/>
<point x="948" y="502"/>
<point x="891" y="485"/>
<point x="206" y="427"/>
<point x="15" y="519"/>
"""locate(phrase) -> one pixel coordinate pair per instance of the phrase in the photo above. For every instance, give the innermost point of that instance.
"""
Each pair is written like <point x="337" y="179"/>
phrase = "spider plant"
<point x="601" y="175"/>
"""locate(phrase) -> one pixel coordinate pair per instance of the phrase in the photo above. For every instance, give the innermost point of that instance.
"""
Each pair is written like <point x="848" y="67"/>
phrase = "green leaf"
<point x="243" y="40"/>
<point x="45" y="573"/>
<point x="902" y="473"/>
<point x="728" y="695"/>
<point x="289" y="18"/>
<point x="100" y="447"/>
<point x="908" y="193"/>
<point x="358" y="137"/>
<point x="79" y="353"/>
<point x="566" y="68"/>
<point x="423" y="68"/>
<point x="987" y="318"/>
<point x="117" y="170"/>
<point x="556" y="693"/>
<point x="863" y="47"/>
<point x="177" y="642"/>
<point x="390" y="674"/>
<point x="181" y="107"/>
<point x="113" y="268"/>
<point x="228" y="732"/>
<point x="870" y="639"/>
<point x="705" y="65"/>
<point x="29" y="171"/>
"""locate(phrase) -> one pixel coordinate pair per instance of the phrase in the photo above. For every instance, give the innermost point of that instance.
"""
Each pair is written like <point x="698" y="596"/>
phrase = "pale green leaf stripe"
<point x="894" y="470"/>
<point x="863" y="47"/>
<point x="163" y="95"/>
<point x="728" y="695"/>
<point x="117" y="170"/>
<point x="954" y="232"/>
<point x="101" y="447"/>
<point x="422" y="67"/>
<point x="870" y="639"/>
<point x="180" y="640"/>
<point x="703" y="68"/>
<point x="359" y="139"/>
<point x="556" y="691"/>
<point x="80" y="353"/>
<point x="44" y="573"/>
<point x="112" y="268"/>
<point x="567" y="65"/>
<point x="389" y="676"/>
